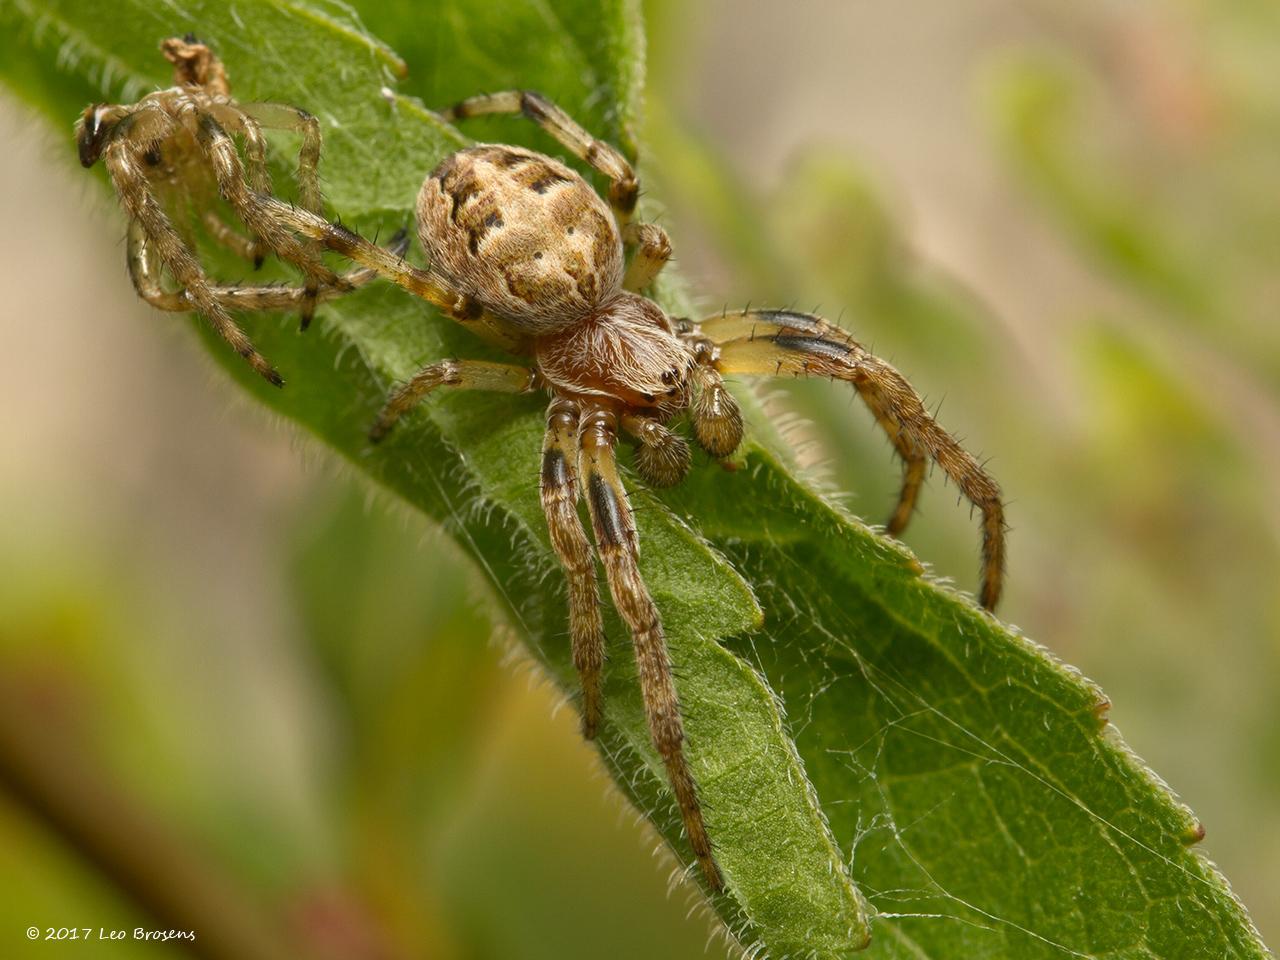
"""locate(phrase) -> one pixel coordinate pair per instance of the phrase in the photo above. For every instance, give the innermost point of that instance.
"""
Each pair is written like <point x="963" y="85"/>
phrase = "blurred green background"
<point x="1061" y="221"/>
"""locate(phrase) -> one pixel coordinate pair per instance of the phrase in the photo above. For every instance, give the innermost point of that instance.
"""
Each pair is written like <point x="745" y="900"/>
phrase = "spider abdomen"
<point x="522" y="234"/>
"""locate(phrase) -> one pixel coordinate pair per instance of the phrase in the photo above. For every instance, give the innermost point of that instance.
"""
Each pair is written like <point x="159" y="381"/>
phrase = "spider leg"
<point x="144" y="271"/>
<point x="752" y="324"/>
<point x="255" y="163"/>
<point x="618" y="546"/>
<point x="559" y="488"/>
<point x="249" y="119"/>
<point x="251" y="208"/>
<point x="458" y="374"/>
<point x="624" y="189"/>
<point x="135" y="192"/>
<point x="281" y="116"/>
<point x="915" y="460"/>
<point x="392" y="266"/>
<point x="229" y="237"/>
<point x="899" y="411"/>
<point x="652" y="251"/>
<point x="759" y="323"/>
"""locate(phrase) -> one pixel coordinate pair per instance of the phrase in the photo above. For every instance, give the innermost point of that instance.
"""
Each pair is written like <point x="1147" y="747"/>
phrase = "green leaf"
<point x="955" y="770"/>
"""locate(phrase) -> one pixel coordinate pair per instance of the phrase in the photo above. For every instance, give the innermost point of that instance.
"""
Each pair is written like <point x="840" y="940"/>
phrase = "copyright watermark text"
<point x="107" y="933"/>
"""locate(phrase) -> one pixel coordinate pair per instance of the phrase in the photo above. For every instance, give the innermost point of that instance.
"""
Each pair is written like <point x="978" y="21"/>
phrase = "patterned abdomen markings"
<point x="523" y="235"/>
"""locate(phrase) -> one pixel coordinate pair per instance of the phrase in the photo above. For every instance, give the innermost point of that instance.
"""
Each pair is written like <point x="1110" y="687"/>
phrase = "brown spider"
<point x="524" y="253"/>
<point x="173" y="149"/>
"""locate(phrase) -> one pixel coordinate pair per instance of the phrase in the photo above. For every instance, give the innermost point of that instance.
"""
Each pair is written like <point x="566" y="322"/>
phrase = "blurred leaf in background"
<point x="1101" y="180"/>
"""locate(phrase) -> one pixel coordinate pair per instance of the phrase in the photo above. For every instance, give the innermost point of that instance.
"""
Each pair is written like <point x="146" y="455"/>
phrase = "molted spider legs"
<point x="248" y="119"/>
<point x="899" y="411"/>
<point x="229" y="237"/>
<point x="144" y="270"/>
<point x="652" y="251"/>
<point x="392" y="266"/>
<point x="251" y="207"/>
<point x="618" y="547"/>
<point x="145" y="211"/>
<point x="194" y="64"/>
<point x="281" y="116"/>
<point x="255" y="162"/>
<point x="459" y="374"/>
<point x="560" y="504"/>
<point x="351" y="245"/>
<point x="624" y="189"/>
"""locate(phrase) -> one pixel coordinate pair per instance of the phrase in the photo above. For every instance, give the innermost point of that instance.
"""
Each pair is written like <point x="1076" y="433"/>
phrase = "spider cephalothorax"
<point x="524" y="253"/>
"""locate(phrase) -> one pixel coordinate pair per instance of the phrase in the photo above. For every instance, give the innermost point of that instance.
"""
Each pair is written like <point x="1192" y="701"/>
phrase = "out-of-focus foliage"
<point x="1134" y="414"/>
<point x="391" y="778"/>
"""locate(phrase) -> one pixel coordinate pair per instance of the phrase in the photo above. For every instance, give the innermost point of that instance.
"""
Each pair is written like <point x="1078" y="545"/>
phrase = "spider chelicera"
<point x="524" y="253"/>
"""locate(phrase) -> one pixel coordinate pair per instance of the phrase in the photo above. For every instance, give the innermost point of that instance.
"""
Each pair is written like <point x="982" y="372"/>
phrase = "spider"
<point x="174" y="149"/>
<point x="526" y="254"/>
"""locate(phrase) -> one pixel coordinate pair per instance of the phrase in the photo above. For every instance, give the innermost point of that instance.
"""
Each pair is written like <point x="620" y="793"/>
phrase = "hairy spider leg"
<point x="281" y="116"/>
<point x="559" y="489"/>
<point x="228" y="236"/>
<point x="393" y="267"/>
<point x="915" y="458"/>
<point x="752" y="323"/>
<point x="653" y="247"/>
<point x="764" y="323"/>
<point x="624" y="189"/>
<point x="195" y="65"/>
<point x="255" y="163"/>
<point x="122" y="159"/>
<point x="618" y="547"/>
<point x="144" y="271"/>
<point x="458" y="374"/>
<point x="900" y="413"/>
<point x="250" y="206"/>
<point x="652" y="252"/>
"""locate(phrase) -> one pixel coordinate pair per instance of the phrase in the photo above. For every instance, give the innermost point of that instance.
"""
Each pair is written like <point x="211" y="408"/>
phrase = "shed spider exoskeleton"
<point x="174" y="149"/>
<point x="523" y="252"/>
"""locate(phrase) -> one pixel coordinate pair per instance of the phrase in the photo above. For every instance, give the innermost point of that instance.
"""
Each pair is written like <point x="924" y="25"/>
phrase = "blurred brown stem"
<point x="46" y="771"/>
